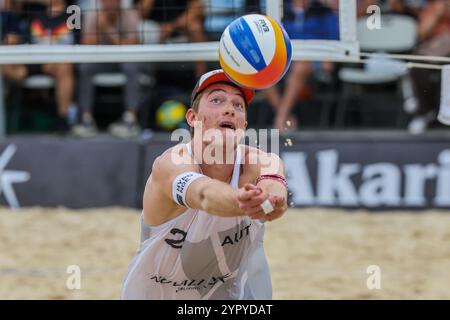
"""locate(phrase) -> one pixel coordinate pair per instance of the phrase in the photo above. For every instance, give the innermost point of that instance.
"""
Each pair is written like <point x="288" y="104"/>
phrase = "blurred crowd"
<point x="108" y="22"/>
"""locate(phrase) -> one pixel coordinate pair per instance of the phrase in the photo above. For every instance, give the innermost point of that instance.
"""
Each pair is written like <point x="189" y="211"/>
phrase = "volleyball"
<point x="255" y="51"/>
<point x="170" y="114"/>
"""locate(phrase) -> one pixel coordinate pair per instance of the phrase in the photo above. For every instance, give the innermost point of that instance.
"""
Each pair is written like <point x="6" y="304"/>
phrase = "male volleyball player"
<point x="203" y="220"/>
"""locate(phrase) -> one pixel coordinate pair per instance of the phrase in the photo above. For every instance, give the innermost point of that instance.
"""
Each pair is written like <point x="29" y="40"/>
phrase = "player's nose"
<point x="228" y="109"/>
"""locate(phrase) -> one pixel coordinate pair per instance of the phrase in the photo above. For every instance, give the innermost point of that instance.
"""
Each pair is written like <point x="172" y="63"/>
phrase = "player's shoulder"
<point x="171" y="158"/>
<point x="257" y="161"/>
<point x="252" y="153"/>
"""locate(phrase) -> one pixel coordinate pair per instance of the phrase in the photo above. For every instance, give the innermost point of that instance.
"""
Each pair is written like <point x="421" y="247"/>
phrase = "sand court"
<point x="313" y="253"/>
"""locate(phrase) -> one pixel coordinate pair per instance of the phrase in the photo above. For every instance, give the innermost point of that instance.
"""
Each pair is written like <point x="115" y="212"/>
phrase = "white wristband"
<point x="180" y="186"/>
<point x="267" y="206"/>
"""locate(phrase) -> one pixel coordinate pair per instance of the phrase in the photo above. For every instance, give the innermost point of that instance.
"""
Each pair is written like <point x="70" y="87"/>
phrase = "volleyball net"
<point x="63" y="31"/>
<point x="57" y="37"/>
<point x="152" y="43"/>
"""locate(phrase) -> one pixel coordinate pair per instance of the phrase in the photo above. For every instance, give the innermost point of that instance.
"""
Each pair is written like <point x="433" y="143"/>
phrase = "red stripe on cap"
<point x="220" y="76"/>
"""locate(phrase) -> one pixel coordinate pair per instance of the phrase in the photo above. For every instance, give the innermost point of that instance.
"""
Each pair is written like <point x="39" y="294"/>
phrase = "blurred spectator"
<point x="176" y="18"/>
<point x="9" y="22"/>
<point x="362" y="5"/>
<point x="47" y="28"/>
<point x="110" y="25"/>
<point x="332" y="4"/>
<point x="10" y="34"/>
<point x="220" y="13"/>
<point x="405" y="7"/>
<point x="434" y="34"/>
<point x="303" y="19"/>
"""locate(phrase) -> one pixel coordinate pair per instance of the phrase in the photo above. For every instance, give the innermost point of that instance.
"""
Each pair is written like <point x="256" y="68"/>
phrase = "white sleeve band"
<point x="180" y="185"/>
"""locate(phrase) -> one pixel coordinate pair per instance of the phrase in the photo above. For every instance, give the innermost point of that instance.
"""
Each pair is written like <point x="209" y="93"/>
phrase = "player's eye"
<point x="239" y="105"/>
<point x="216" y="100"/>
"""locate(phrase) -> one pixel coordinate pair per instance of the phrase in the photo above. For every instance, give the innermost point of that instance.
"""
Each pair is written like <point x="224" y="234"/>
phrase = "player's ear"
<point x="191" y="117"/>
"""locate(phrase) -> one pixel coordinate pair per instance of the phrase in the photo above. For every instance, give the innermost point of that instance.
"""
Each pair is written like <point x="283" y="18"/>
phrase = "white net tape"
<point x="207" y="51"/>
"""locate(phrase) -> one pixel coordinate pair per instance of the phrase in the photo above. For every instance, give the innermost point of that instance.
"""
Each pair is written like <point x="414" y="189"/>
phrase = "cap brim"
<point x="222" y="77"/>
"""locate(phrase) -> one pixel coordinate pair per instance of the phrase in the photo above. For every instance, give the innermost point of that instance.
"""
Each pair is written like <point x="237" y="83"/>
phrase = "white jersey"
<point x="200" y="256"/>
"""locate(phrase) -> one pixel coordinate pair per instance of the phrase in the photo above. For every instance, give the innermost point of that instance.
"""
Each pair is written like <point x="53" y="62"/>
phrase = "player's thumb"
<point x="249" y="186"/>
<point x="244" y="194"/>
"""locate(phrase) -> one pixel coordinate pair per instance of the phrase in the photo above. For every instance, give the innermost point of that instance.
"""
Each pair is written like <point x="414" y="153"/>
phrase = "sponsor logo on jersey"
<point x="191" y="284"/>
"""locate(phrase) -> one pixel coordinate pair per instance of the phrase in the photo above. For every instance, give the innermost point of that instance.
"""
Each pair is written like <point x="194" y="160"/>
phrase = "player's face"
<point x="222" y="107"/>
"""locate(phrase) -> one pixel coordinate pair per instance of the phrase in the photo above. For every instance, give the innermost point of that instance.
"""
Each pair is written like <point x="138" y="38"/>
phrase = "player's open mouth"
<point x="227" y="125"/>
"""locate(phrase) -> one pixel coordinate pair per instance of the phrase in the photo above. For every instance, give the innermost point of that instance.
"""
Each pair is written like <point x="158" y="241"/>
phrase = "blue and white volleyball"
<point x="255" y="51"/>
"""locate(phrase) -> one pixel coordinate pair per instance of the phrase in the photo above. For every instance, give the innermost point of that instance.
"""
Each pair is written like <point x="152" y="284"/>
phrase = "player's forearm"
<point x="219" y="199"/>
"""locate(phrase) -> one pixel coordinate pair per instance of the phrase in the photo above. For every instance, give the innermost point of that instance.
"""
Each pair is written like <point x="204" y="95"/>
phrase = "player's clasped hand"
<point x="251" y="197"/>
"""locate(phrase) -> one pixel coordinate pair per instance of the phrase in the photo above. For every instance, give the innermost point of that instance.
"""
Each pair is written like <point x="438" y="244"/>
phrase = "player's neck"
<point x="217" y="166"/>
<point x="221" y="172"/>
